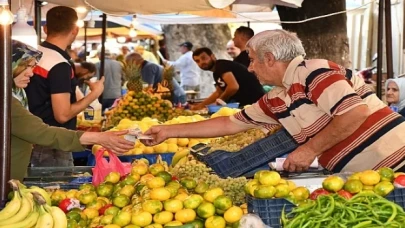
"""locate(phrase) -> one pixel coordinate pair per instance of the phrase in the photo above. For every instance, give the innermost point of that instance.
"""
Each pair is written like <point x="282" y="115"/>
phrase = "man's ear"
<point x="269" y="59"/>
<point x="213" y="57"/>
<point x="46" y="29"/>
<point x="75" y="31"/>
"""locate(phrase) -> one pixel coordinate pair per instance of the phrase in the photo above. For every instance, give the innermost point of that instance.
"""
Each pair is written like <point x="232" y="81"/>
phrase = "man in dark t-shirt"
<point x="51" y="91"/>
<point x="234" y="83"/>
<point x="240" y="38"/>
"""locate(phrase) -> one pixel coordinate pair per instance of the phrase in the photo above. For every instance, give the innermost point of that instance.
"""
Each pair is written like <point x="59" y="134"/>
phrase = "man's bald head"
<point x="232" y="50"/>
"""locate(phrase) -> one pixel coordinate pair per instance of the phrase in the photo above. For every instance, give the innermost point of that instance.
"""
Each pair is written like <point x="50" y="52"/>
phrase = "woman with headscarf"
<point x="395" y="93"/>
<point x="27" y="129"/>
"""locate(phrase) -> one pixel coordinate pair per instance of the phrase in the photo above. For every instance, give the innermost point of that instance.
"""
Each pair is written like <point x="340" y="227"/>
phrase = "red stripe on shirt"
<point x="264" y="104"/>
<point x="340" y="148"/>
<point x="40" y="71"/>
<point x="392" y="159"/>
<point x="296" y="88"/>
<point x="333" y="65"/>
<point x="323" y="85"/>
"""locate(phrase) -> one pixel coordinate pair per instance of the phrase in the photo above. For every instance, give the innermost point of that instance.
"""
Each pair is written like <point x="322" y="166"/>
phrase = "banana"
<point x="59" y="217"/>
<point x="182" y="161"/>
<point x="12" y="207"/>
<point x="26" y="208"/>
<point x="179" y="155"/>
<point x="41" y="191"/>
<point x="29" y="221"/>
<point x="45" y="219"/>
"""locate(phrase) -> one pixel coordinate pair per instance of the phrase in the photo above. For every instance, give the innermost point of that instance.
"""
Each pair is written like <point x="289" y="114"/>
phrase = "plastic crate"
<point x="397" y="196"/>
<point x="235" y="164"/>
<point x="269" y="210"/>
<point x="216" y="108"/>
<point x="167" y="157"/>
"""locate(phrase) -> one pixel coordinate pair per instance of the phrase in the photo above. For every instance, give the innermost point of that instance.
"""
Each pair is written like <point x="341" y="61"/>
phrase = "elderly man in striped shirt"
<point x="327" y="109"/>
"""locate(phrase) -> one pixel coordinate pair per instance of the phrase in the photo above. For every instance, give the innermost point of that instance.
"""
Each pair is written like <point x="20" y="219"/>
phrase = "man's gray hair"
<point x="134" y="56"/>
<point x="284" y="45"/>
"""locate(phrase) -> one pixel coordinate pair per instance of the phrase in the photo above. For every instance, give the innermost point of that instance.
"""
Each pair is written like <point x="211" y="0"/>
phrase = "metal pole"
<point x="38" y="20"/>
<point x="388" y="39"/>
<point x="85" y="40"/>
<point x="103" y="39"/>
<point x="380" y="47"/>
<point x="5" y="105"/>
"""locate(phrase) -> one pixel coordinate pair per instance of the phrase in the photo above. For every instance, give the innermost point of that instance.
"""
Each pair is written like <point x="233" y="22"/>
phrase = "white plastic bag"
<point x="252" y="221"/>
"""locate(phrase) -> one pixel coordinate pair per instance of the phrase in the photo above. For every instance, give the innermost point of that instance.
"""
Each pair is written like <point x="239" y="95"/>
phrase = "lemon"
<point x="223" y="203"/>
<point x="206" y="210"/>
<point x="355" y="176"/>
<point x="333" y="183"/>
<point x="142" y="219"/>
<point x="185" y="215"/>
<point x="212" y="194"/>
<point x="154" y="225"/>
<point x="269" y="178"/>
<point x="386" y="174"/>
<point x="148" y="150"/>
<point x="173" y="223"/>
<point x="384" y="188"/>
<point x="172" y="147"/>
<point x="353" y="186"/>
<point x="173" y="205"/>
<point x="283" y="190"/>
<point x="172" y="141"/>
<point x="181" y="196"/>
<point x="370" y="177"/>
<point x="160" y="194"/>
<point x="215" y="222"/>
<point x="193" y="201"/>
<point x="112" y="226"/>
<point x="300" y="193"/>
<point x="137" y="151"/>
<point x="156" y="182"/>
<point x="163" y="217"/>
<point x="161" y="148"/>
<point x="264" y="192"/>
<point x="152" y="206"/>
<point x="182" y="142"/>
<point x="233" y="214"/>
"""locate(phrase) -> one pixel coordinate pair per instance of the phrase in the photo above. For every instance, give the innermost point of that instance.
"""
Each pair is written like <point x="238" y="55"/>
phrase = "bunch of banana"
<point x="180" y="157"/>
<point x="159" y="160"/>
<point x="29" y="209"/>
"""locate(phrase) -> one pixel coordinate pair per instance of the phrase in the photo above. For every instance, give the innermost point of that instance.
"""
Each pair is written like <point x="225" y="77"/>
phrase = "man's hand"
<point x="97" y="87"/>
<point x="158" y="133"/>
<point x="112" y="141"/>
<point x="299" y="160"/>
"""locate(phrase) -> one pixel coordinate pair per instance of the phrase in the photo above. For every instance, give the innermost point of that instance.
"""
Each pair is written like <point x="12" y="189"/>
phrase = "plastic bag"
<point x="251" y="221"/>
<point x="104" y="167"/>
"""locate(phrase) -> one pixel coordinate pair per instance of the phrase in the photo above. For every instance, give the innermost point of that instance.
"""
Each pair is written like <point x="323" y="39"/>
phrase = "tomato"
<point x="320" y="191"/>
<point x="102" y="210"/>
<point x="174" y="178"/>
<point x="345" y="194"/>
<point x="68" y="204"/>
<point x="399" y="182"/>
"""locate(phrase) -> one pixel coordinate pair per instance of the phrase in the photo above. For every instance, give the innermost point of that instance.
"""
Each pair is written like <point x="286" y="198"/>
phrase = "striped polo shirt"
<point x="316" y="91"/>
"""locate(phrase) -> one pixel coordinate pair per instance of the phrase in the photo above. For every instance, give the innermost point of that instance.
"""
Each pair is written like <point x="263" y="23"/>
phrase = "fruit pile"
<point x="225" y="111"/>
<point x="381" y="182"/>
<point x="30" y="207"/>
<point x="136" y="106"/>
<point x="148" y="197"/>
<point x="366" y="209"/>
<point x="268" y="184"/>
<point x="235" y="143"/>
<point x="197" y="175"/>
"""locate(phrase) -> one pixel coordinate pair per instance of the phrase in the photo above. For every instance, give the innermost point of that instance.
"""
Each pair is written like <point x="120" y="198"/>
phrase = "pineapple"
<point x="133" y="75"/>
<point x="168" y="75"/>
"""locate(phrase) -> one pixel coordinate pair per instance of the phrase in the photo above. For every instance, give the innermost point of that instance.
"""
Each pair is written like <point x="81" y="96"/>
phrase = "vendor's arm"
<point x="60" y="86"/>
<point x="255" y="116"/>
<point x="30" y="128"/>
<point x="211" y="99"/>
<point x="179" y="63"/>
<point x="232" y="86"/>
<point x="336" y="97"/>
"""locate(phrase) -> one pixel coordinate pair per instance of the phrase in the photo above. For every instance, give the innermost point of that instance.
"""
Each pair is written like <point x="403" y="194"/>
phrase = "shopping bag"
<point x="103" y="167"/>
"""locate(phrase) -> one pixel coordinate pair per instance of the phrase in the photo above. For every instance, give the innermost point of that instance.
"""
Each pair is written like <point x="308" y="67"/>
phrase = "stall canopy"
<point x="199" y="7"/>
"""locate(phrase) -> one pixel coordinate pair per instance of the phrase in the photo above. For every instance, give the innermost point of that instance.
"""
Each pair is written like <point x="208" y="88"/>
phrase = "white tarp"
<point x="125" y="7"/>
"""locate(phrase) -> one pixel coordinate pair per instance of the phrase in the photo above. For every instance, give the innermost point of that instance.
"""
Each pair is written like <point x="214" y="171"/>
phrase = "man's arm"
<point x="63" y="110"/>
<point x="232" y="86"/>
<point x="211" y="99"/>
<point x="215" y="127"/>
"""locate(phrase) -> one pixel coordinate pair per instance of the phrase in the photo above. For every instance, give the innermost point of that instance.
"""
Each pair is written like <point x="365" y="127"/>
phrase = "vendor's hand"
<point x="299" y="160"/>
<point x="197" y="107"/>
<point x="112" y="140"/>
<point x="158" y="133"/>
<point x="97" y="87"/>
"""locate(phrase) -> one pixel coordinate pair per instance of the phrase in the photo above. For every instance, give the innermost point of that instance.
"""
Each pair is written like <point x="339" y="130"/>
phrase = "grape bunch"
<point x="233" y="187"/>
<point x="234" y="143"/>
